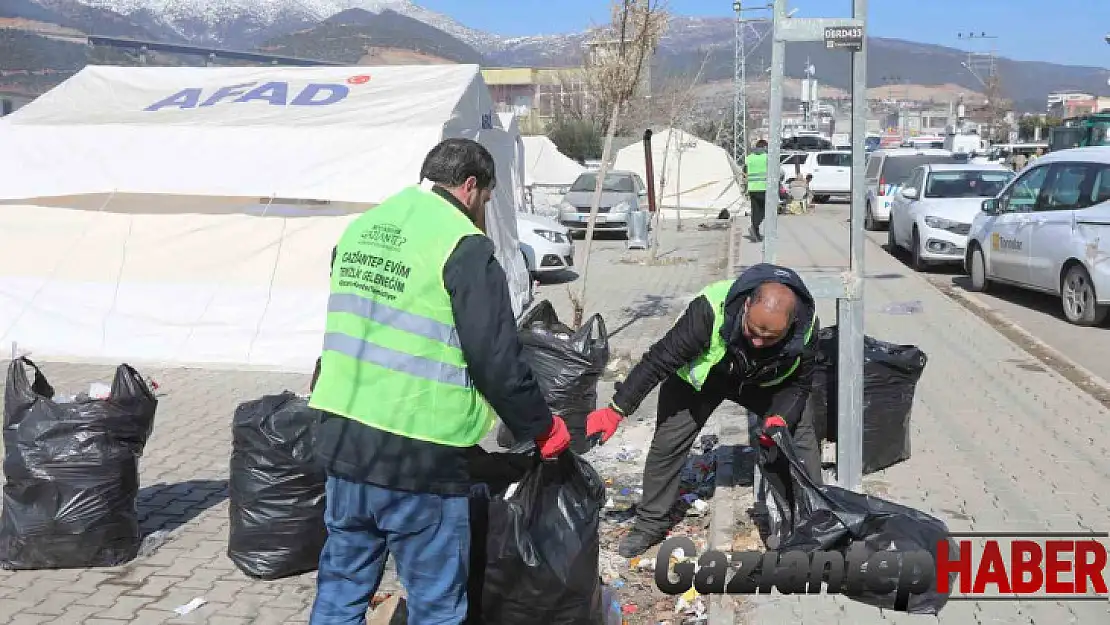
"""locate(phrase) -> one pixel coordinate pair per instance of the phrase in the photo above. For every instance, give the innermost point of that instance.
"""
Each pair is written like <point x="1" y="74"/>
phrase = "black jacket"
<point x="745" y="366"/>
<point x="487" y="331"/>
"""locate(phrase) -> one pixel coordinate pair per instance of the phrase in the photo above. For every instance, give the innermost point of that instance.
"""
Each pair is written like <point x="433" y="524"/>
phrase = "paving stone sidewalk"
<point x="1000" y="443"/>
<point x="185" y="468"/>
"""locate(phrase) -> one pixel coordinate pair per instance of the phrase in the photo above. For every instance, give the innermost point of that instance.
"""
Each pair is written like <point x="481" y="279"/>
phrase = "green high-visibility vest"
<point x="757" y="171"/>
<point x="392" y="358"/>
<point x="697" y="371"/>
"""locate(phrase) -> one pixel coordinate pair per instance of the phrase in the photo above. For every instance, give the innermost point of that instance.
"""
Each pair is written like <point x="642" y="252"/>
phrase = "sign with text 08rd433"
<point x="844" y="38"/>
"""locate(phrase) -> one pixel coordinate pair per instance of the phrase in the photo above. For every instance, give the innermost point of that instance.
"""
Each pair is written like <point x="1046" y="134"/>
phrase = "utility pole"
<point x="849" y="36"/>
<point x="983" y="66"/>
<point x="740" y="78"/>
<point x="739" y="88"/>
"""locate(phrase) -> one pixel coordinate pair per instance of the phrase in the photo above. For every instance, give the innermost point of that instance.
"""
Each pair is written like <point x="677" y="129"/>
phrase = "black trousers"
<point x="682" y="413"/>
<point x="759" y="209"/>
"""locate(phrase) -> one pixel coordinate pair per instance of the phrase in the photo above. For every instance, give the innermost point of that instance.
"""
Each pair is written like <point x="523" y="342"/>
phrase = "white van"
<point x="886" y="171"/>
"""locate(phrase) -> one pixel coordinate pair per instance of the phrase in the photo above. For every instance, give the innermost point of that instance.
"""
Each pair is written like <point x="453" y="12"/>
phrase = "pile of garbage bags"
<point x="827" y="518"/>
<point x="567" y="364"/>
<point x="276" y="489"/>
<point x="890" y="376"/>
<point x="72" y="471"/>
<point x="535" y="541"/>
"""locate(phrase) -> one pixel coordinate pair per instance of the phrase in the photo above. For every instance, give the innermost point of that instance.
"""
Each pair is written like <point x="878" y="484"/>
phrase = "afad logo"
<point x="274" y="93"/>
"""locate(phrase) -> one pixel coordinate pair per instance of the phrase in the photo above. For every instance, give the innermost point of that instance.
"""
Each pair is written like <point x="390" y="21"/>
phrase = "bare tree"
<point x="614" y="70"/>
<point x="682" y="95"/>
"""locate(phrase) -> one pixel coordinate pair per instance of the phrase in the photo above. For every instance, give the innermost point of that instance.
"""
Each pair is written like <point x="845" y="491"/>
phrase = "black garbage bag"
<point x="890" y="376"/>
<point x="72" y="472"/>
<point x="829" y="518"/>
<point x="567" y="364"/>
<point x="535" y="549"/>
<point x="276" y="488"/>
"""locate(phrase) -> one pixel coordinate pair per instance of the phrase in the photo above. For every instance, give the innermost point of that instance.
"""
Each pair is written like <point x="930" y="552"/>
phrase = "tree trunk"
<point x="579" y="303"/>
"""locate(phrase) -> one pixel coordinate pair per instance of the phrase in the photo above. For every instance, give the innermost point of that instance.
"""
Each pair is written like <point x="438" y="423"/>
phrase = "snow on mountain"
<point x="236" y="23"/>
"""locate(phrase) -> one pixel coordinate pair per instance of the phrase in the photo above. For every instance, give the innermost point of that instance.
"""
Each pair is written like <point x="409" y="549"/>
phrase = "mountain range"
<point x="44" y="34"/>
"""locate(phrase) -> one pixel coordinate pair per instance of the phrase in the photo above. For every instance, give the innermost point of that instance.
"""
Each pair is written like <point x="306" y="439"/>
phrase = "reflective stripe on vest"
<point x="392" y="358"/>
<point x="757" y="172"/>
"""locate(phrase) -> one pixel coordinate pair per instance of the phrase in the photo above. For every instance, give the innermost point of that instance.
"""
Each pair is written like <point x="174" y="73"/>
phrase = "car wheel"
<point x="978" y="270"/>
<point x="1077" y="294"/>
<point x="869" y="222"/>
<point x="918" y="263"/>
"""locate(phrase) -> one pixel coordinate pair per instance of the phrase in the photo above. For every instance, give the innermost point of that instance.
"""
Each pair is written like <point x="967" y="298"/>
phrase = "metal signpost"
<point x="846" y="287"/>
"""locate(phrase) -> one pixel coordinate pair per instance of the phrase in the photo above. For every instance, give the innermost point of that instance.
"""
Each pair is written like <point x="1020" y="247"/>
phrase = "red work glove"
<point x="603" y="422"/>
<point x="771" y="422"/>
<point x="556" y="441"/>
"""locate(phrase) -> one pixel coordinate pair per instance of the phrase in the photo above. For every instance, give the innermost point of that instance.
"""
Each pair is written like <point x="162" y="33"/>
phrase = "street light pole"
<point x="740" y="99"/>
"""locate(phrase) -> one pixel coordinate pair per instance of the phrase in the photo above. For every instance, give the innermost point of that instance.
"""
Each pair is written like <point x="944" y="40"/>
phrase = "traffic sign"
<point x="844" y="39"/>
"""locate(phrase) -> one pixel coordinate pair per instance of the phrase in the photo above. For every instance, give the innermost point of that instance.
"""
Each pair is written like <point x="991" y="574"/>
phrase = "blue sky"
<point x="1061" y="31"/>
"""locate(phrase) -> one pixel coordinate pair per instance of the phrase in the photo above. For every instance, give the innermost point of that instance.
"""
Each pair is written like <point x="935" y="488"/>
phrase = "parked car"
<point x="931" y="215"/>
<point x="545" y="244"/>
<point x="1049" y="231"/>
<point x="622" y="193"/>
<point x="831" y="171"/>
<point x="886" y="171"/>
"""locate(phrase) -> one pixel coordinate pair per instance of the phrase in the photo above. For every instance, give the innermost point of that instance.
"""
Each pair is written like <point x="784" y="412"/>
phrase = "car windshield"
<point x="614" y="183"/>
<point x="966" y="183"/>
<point x="897" y="168"/>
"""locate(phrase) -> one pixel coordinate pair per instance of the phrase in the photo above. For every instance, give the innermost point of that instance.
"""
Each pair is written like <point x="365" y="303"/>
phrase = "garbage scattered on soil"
<point x="631" y="582"/>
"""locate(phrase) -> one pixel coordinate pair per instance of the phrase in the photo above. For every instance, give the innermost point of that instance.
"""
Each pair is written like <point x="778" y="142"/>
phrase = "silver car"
<point x="622" y="193"/>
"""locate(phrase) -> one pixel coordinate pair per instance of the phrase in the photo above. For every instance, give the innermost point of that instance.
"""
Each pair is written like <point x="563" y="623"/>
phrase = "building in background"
<point x="1056" y="99"/>
<point x="537" y="95"/>
<point x="1077" y="106"/>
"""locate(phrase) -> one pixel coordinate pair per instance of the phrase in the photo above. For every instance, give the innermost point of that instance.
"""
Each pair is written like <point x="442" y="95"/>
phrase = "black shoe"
<point x="637" y="541"/>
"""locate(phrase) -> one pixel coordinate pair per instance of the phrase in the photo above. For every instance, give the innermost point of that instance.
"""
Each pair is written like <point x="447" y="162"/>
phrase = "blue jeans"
<point x="428" y="536"/>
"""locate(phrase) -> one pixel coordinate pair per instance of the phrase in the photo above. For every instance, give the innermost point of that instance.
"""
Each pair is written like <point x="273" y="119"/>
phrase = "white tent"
<point x="694" y="173"/>
<point x="187" y="215"/>
<point x="512" y="126"/>
<point x="546" y="165"/>
<point x="548" y="173"/>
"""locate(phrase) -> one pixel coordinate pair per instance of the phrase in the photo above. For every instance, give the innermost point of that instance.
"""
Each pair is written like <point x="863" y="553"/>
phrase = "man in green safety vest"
<point x="421" y="354"/>
<point x="755" y="166"/>
<point x="752" y="341"/>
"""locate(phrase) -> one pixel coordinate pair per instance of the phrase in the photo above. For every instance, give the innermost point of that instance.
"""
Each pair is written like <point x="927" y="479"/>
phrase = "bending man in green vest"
<point x="420" y="352"/>
<point x="752" y="341"/>
<point x="755" y="166"/>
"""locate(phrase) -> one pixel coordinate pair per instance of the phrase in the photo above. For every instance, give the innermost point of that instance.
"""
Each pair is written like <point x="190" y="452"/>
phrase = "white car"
<point x="545" y="244"/>
<point x="831" y="171"/>
<point x="931" y="215"/>
<point x="1049" y="230"/>
<point x="886" y="171"/>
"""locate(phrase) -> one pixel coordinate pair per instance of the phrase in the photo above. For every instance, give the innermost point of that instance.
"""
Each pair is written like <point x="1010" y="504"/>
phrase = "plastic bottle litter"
<point x="903" y="308"/>
<point x="613" y="609"/>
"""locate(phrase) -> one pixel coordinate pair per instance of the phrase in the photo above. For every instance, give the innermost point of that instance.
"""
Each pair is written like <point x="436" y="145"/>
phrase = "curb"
<point x="1090" y="383"/>
<point x="723" y="609"/>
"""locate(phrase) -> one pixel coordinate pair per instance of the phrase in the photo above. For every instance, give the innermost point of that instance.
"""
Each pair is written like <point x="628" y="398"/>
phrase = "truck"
<point x="1081" y="132"/>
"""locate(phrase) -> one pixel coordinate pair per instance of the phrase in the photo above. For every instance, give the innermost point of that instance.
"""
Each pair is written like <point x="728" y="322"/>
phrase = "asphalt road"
<point x="1038" y="314"/>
